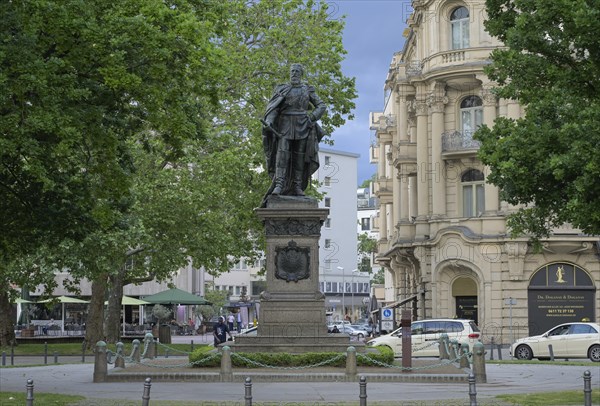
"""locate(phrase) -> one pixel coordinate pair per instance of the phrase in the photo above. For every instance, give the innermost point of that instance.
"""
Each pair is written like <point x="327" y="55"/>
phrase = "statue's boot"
<point x="283" y="158"/>
<point x="298" y="172"/>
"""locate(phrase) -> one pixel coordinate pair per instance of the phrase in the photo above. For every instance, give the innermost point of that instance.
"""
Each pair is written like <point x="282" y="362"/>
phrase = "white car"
<point x="425" y="335"/>
<point x="568" y="340"/>
<point x="351" y="331"/>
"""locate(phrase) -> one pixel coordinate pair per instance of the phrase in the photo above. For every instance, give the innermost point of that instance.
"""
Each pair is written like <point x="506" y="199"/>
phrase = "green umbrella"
<point x="176" y="296"/>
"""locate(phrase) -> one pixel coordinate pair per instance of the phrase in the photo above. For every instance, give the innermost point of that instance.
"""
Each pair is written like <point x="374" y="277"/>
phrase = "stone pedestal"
<point x="292" y="308"/>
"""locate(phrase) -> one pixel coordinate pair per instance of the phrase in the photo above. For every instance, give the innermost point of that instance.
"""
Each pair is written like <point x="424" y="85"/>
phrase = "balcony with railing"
<point x="459" y="143"/>
<point x="413" y="68"/>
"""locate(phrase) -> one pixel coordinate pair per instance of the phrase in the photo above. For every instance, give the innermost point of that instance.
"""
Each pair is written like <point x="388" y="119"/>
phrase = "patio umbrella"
<point x="63" y="300"/>
<point x="129" y="301"/>
<point x="23" y="314"/>
<point x="176" y="296"/>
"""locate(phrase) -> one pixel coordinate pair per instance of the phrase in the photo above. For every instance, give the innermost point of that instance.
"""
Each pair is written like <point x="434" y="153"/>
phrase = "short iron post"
<point x="45" y="353"/>
<point x="464" y="357"/>
<point x="83" y="351"/>
<point x="443" y="346"/>
<point x="166" y="353"/>
<point x="492" y="349"/>
<point x="551" y="351"/>
<point x="12" y="353"/>
<point x="472" y="391"/>
<point x="226" y="372"/>
<point x="119" y="360"/>
<point x="362" y="391"/>
<point x="479" y="362"/>
<point x="56" y="357"/>
<point x="100" y="363"/>
<point x="29" y="395"/>
<point x="351" y="363"/>
<point x="3" y="358"/>
<point x="192" y="346"/>
<point x="146" y="394"/>
<point x="587" y="388"/>
<point x="135" y="354"/>
<point x="248" y="392"/>
<point x="499" y="347"/>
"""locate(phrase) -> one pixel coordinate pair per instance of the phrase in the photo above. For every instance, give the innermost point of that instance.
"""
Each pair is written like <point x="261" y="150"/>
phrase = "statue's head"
<point x="296" y="72"/>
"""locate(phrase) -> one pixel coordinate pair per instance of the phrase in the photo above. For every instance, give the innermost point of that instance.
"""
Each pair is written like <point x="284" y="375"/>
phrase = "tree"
<point x="546" y="161"/>
<point x="367" y="246"/>
<point x="138" y="125"/>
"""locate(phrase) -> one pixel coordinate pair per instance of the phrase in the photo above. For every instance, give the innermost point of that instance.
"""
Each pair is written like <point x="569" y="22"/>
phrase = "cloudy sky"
<point x="373" y="33"/>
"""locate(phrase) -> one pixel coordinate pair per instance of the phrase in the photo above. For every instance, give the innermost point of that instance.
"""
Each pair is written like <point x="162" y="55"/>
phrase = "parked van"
<point x="425" y="335"/>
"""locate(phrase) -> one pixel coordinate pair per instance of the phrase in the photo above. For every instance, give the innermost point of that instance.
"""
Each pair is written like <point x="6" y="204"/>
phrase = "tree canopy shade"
<point x="130" y="140"/>
<point x="548" y="160"/>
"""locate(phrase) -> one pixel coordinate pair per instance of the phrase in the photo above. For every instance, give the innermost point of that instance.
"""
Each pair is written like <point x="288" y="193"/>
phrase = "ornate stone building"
<point x="443" y="236"/>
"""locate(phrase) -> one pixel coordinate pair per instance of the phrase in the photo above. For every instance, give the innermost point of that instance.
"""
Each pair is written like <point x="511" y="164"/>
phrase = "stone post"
<point x="351" y="368"/>
<point x="100" y="364"/>
<point x="443" y="346"/>
<point x="135" y="354"/>
<point x="464" y="359"/>
<point x="149" y="346"/>
<point x="452" y="350"/>
<point x="479" y="363"/>
<point x="226" y="371"/>
<point x="119" y="360"/>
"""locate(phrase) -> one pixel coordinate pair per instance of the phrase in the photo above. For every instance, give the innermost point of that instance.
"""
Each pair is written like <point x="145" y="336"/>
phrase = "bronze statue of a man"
<point x="291" y="135"/>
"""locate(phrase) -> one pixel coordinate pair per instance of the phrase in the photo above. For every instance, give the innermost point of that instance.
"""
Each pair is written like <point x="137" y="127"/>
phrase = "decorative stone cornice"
<point x="488" y="96"/>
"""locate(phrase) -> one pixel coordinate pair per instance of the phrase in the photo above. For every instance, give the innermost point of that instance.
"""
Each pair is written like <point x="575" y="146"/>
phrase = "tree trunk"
<point x="94" y="329"/>
<point x="115" y="297"/>
<point x="7" y="327"/>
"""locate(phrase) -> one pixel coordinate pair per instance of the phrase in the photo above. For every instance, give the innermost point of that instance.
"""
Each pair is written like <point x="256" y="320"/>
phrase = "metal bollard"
<point x="472" y="391"/>
<point x="156" y="348"/>
<point x="551" y="351"/>
<point x="248" y="392"/>
<point x="492" y="349"/>
<point x="362" y="391"/>
<point x="192" y="346"/>
<point x="83" y="351"/>
<point x="166" y="353"/>
<point x="29" y="396"/>
<point x="3" y="358"/>
<point x="55" y="357"/>
<point x="146" y="395"/>
<point x="12" y="355"/>
<point x="499" y="346"/>
<point x="45" y="353"/>
<point x="587" y="388"/>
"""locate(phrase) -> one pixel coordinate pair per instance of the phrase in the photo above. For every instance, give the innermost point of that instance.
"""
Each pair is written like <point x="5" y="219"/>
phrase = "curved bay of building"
<point x="442" y="229"/>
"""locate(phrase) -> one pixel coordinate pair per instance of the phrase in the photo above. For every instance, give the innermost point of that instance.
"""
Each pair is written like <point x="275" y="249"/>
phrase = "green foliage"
<point x="546" y="161"/>
<point x="366" y="247"/>
<point x="283" y="359"/>
<point x="20" y="398"/>
<point x="379" y="277"/>
<point x="218" y="298"/>
<point x="161" y="312"/>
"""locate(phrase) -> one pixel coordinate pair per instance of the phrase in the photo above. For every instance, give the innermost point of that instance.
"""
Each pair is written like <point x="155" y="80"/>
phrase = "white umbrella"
<point x="63" y="300"/>
<point x="129" y="301"/>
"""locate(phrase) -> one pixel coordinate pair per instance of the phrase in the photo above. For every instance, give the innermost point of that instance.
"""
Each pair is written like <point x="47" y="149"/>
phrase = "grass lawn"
<point x="550" y="398"/>
<point x="50" y="399"/>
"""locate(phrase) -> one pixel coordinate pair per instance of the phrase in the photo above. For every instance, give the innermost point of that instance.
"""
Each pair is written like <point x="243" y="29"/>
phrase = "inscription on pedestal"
<point x="292" y="262"/>
<point x="292" y="227"/>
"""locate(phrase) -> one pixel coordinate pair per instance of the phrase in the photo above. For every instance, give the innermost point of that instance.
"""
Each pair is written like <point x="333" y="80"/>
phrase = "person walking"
<point x="230" y="320"/>
<point x="220" y="331"/>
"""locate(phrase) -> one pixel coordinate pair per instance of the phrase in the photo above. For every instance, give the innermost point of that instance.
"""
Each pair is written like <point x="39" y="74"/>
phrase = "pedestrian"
<point x="230" y="320"/>
<point x="239" y="322"/>
<point x="220" y="331"/>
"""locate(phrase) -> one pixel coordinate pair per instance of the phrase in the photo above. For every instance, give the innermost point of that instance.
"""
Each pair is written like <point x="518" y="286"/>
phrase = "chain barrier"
<point x="260" y="364"/>
<point x="174" y="349"/>
<point x="149" y="364"/>
<point x="383" y="364"/>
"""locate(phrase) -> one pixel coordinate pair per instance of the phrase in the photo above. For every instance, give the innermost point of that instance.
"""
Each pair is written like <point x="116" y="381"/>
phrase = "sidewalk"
<point x="502" y="379"/>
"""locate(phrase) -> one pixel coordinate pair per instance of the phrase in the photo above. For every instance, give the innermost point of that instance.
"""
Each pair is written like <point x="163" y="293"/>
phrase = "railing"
<point x="459" y="141"/>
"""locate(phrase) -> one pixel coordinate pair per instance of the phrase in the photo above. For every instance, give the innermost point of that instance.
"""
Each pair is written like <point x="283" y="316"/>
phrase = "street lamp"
<point x="341" y="268"/>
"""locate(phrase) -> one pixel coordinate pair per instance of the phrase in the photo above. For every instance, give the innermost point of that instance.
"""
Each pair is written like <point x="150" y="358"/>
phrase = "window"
<point x="473" y="194"/>
<point x="327" y="242"/>
<point x="328" y="202"/>
<point x="327" y="223"/>
<point x="365" y="223"/>
<point x="327" y="160"/>
<point x="327" y="181"/>
<point x="471" y="115"/>
<point x="459" y="23"/>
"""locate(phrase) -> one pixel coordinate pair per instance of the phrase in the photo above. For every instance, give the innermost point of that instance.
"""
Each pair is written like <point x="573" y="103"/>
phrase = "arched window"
<point x="473" y="194"/>
<point x="471" y="115"/>
<point x="459" y="23"/>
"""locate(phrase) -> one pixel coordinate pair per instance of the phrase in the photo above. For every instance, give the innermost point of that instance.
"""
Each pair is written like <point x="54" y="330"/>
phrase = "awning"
<point x="400" y="302"/>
